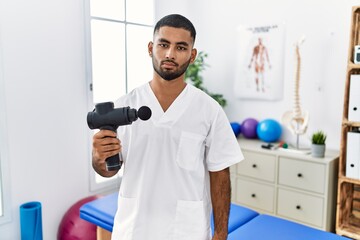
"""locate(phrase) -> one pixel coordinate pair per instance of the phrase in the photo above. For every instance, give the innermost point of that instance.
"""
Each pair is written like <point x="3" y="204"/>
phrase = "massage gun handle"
<point x="113" y="163"/>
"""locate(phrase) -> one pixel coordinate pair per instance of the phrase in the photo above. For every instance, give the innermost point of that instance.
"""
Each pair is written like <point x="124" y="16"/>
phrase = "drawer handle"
<point x="253" y="195"/>
<point x="299" y="175"/>
<point x="298" y="207"/>
<point x="254" y="166"/>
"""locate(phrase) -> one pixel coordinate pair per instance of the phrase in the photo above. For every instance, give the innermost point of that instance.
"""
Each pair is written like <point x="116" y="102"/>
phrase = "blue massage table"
<point x="274" y="228"/>
<point x="101" y="212"/>
<point x="244" y="223"/>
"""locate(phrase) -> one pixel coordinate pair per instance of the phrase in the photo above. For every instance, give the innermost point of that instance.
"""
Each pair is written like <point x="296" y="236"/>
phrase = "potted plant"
<point x="318" y="140"/>
<point x="193" y="74"/>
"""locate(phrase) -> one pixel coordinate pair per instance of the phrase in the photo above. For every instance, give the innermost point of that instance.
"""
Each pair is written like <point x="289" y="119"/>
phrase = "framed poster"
<point x="260" y="61"/>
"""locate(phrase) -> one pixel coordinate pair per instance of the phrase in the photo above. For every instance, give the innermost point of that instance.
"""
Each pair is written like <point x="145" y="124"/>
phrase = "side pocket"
<point x="125" y="218"/>
<point x="190" y="221"/>
<point x="191" y="147"/>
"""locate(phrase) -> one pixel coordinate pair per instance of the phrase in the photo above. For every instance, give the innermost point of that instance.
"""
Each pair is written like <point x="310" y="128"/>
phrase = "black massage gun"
<point x="105" y="116"/>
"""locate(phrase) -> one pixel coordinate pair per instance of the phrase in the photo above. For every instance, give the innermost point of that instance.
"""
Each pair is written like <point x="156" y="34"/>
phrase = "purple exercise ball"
<point x="248" y="128"/>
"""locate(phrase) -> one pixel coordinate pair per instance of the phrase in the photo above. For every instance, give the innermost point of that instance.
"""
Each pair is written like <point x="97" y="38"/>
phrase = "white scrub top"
<point x="165" y="189"/>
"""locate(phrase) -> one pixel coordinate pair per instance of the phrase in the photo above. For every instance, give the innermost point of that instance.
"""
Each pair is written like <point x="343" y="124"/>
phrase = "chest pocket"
<point x="190" y="150"/>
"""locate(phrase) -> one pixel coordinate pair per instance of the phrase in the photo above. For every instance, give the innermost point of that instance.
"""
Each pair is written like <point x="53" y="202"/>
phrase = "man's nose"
<point x="170" y="53"/>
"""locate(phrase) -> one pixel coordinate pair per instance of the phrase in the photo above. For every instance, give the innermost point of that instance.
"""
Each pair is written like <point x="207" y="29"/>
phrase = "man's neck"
<point x="167" y="91"/>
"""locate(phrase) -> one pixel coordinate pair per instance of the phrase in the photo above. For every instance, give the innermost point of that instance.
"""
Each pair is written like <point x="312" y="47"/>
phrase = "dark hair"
<point x="176" y="21"/>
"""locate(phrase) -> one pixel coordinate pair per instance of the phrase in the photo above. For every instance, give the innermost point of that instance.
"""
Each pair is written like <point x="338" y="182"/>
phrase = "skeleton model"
<point x="296" y="120"/>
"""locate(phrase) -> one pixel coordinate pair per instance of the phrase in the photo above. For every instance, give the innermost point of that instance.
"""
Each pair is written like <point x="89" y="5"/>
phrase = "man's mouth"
<point x="169" y="64"/>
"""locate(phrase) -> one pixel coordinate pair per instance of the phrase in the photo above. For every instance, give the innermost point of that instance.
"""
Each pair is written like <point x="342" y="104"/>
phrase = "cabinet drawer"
<point x="233" y="186"/>
<point x="257" y="165"/>
<point x="304" y="175"/>
<point x="255" y="195"/>
<point x="301" y="207"/>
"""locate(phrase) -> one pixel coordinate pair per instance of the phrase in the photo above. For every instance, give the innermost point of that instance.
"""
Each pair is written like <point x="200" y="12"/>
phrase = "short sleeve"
<point x="222" y="147"/>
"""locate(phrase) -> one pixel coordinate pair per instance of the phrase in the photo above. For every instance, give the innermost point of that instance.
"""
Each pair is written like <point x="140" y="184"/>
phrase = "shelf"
<point x="347" y="123"/>
<point x="348" y="215"/>
<point x="348" y="231"/>
<point x="349" y="180"/>
<point x="353" y="66"/>
<point x="348" y="198"/>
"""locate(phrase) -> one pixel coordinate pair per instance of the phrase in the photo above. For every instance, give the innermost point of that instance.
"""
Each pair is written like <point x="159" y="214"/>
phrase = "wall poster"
<point x="260" y="60"/>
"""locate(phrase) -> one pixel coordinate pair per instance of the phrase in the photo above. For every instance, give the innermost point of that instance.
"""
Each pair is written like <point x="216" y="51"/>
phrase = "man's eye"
<point x="182" y="48"/>
<point x="163" y="45"/>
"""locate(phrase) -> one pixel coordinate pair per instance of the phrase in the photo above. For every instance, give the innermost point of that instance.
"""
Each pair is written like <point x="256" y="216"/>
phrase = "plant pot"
<point x="318" y="150"/>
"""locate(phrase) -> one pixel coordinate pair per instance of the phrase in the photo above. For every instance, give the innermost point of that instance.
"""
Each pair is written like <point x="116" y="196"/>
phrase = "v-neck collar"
<point x="175" y="110"/>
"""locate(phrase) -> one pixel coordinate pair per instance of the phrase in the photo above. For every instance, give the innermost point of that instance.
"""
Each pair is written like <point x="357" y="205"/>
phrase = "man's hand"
<point x="105" y="144"/>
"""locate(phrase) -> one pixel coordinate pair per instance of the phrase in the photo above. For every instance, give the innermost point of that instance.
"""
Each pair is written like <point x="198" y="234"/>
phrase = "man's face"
<point x="172" y="52"/>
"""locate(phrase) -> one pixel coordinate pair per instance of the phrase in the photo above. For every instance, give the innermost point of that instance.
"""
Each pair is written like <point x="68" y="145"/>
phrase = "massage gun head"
<point x="144" y="113"/>
<point x="105" y="116"/>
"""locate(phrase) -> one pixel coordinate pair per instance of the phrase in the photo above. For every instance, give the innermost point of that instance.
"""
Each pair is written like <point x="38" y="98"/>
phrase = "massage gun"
<point x="105" y="116"/>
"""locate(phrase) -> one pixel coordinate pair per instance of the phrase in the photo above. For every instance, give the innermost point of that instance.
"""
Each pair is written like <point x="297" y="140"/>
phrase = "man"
<point x="176" y="164"/>
<point x="259" y="55"/>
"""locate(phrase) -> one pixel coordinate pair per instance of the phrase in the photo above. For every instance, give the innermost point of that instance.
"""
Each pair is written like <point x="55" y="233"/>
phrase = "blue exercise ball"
<point x="236" y="127"/>
<point x="269" y="130"/>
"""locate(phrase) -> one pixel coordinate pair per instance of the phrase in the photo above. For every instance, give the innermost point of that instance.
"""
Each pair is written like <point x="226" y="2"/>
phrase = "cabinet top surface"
<point x="255" y="145"/>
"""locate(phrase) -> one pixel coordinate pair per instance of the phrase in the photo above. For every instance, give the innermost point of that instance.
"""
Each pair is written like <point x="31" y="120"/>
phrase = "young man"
<point x="176" y="164"/>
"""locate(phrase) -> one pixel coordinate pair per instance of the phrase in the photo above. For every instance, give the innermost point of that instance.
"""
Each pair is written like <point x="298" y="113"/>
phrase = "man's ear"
<point x="193" y="55"/>
<point x="150" y="48"/>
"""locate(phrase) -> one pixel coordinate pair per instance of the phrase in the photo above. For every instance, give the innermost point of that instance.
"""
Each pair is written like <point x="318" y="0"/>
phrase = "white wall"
<point x="45" y="87"/>
<point x="326" y="25"/>
<point x="44" y="72"/>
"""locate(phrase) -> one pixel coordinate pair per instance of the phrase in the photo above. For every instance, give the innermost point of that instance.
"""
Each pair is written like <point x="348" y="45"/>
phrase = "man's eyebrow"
<point x="182" y="43"/>
<point x="163" y="40"/>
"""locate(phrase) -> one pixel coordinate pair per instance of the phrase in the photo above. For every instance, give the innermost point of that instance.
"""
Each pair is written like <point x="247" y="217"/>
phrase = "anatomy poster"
<point x="259" y="64"/>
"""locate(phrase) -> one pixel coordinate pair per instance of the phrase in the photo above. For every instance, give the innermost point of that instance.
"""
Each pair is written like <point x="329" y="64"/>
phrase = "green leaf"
<point x="318" y="137"/>
<point x="193" y="74"/>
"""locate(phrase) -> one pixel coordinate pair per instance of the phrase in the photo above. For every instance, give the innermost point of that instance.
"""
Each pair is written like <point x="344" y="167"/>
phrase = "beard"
<point x="170" y="75"/>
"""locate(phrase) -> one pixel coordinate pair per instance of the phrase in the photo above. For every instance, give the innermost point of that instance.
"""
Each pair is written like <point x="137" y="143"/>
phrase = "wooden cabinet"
<point x="293" y="186"/>
<point x="348" y="202"/>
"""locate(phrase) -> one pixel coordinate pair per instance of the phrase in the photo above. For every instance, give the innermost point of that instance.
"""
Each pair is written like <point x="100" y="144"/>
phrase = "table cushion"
<point x="101" y="212"/>
<point x="239" y="215"/>
<point x="274" y="228"/>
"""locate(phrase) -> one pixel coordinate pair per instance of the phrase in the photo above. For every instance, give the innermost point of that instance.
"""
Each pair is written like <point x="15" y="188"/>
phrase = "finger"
<point x="105" y="133"/>
<point x="108" y="141"/>
<point x="100" y="138"/>
<point x="111" y="148"/>
<point x="101" y="157"/>
<point x="107" y="144"/>
<point x="110" y="154"/>
<point x="104" y="152"/>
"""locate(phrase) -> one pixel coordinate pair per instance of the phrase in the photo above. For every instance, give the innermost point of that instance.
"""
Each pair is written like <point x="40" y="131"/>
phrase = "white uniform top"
<point x="165" y="190"/>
